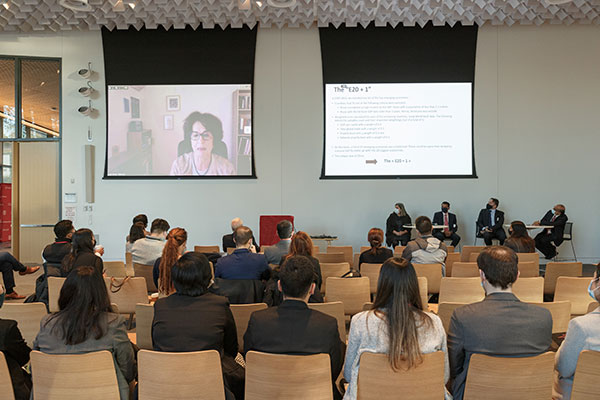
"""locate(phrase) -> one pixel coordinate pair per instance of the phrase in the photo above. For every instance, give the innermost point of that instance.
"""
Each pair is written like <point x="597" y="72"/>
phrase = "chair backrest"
<point x="461" y="290"/>
<point x="464" y="270"/>
<point x="144" y="315"/>
<point x="592" y="307"/>
<point x="129" y="260"/>
<point x="445" y="311"/>
<point x="528" y="269"/>
<point x="561" y="314"/>
<point x="5" y="382"/>
<point x="529" y="289"/>
<point x="345" y="250"/>
<point x="332" y="270"/>
<point x="55" y="283"/>
<point x="574" y="290"/>
<point x="377" y="380"/>
<point x="467" y="250"/>
<point x="398" y="250"/>
<point x="281" y="376"/>
<point x="587" y="374"/>
<point x="356" y="261"/>
<point x="145" y="271"/>
<point x="206" y="249"/>
<point x="556" y="269"/>
<point x="364" y="248"/>
<point x="451" y="258"/>
<point x="423" y="291"/>
<point x="182" y="376"/>
<point x="230" y="250"/>
<point x="528" y="257"/>
<point x="28" y="317"/>
<point x="433" y="273"/>
<point x="568" y="232"/>
<point x="371" y="271"/>
<point x="316" y="250"/>
<point x="241" y="315"/>
<point x="336" y="310"/>
<point x="523" y="378"/>
<point x="352" y="292"/>
<point x="450" y="249"/>
<point x="473" y="257"/>
<point x="89" y="376"/>
<point x="132" y="292"/>
<point x="332" y="258"/>
<point x="115" y="268"/>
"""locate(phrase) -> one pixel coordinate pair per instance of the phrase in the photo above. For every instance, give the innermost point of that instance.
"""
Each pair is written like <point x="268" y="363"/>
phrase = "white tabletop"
<point x="434" y="226"/>
<point x="533" y="226"/>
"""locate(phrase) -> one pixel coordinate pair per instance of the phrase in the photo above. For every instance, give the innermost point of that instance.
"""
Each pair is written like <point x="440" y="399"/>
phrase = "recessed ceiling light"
<point x="281" y="3"/>
<point x="76" y="5"/>
<point x="5" y="4"/>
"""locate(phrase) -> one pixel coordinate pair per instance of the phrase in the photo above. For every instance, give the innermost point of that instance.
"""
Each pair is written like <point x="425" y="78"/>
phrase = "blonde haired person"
<point x="174" y="248"/>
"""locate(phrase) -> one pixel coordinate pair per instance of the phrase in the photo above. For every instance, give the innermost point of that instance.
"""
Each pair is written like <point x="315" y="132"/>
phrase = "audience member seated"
<point x="82" y="253"/>
<point x="395" y="233"/>
<point x="519" y="240"/>
<point x="490" y="223"/>
<point x="85" y="323"/>
<point x="242" y="263"/>
<point x="228" y="242"/>
<point x="396" y="325"/>
<point x="275" y="253"/>
<point x="174" y="248"/>
<point x="426" y="249"/>
<point x="500" y="325"/>
<point x="16" y="353"/>
<point x="446" y="218"/>
<point x="583" y="334"/>
<point x="549" y="239"/>
<point x="140" y="219"/>
<point x="136" y="232"/>
<point x="147" y="250"/>
<point x="293" y="328"/>
<point x="377" y="254"/>
<point x="9" y="264"/>
<point x="55" y="252"/>
<point x="192" y="319"/>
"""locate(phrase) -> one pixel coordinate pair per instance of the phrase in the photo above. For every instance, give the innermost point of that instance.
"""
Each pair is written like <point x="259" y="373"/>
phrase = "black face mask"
<point x="488" y="206"/>
<point x="444" y="209"/>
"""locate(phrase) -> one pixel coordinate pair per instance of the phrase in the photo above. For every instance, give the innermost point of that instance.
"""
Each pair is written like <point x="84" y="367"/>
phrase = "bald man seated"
<point x="228" y="239"/>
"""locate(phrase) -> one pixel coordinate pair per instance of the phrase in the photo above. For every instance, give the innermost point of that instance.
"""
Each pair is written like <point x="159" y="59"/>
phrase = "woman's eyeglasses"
<point x="206" y="135"/>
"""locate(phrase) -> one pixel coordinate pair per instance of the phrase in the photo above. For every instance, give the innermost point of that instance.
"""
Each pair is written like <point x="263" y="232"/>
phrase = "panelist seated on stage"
<point x="446" y="218"/>
<point x="549" y="239"/>
<point x="243" y="263"/>
<point x="228" y="239"/>
<point x="395" y="232"/>
<point x="519" y="240"/>
<point x="426" y="249"/>
<point x="489" y="223"/>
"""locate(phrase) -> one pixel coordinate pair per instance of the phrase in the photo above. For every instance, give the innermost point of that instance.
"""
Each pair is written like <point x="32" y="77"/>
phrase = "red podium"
<point x="268" y="228"/>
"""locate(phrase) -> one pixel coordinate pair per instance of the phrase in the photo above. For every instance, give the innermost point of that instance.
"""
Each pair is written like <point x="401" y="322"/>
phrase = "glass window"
<point x="40" y="98"/>
<point x="7" y="162"/>
<point x="7" y="98"/>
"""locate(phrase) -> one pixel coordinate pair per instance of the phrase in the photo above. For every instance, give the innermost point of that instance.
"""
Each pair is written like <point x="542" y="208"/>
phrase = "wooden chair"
<point x="451" y="258"/>
<point x="450" y="249"/>
<point x="336" y="310"/>
<point x="423" y="291"/>
<point x="398" y="250"/>
<point x="592" y="306"/>
<point x="465" y="270"/>
<point x="556" y="269"/>
<point x="54" y="285"/>
<point x="115" y="268"/>
<point x="587" y="374"/>
<point x="280" y="376"/>
<point x="230" y="250"/>
<point x="371" y="271"/>
<point x="473" y="257"/>
<point x="352" y="292"/>
<point x="461" y="290"/>
<point x="5" y="382"/>
<point x="206" y="249"/>
<point x="28" y="317"/>
<point x="529" y="289"/>
<point x="129" y="260"/>
<point x="433" y="273"/>
<point x="144" y="315"/>
<point x="345" y="250"/>
<point x="356" y="261"/>
<point x="445" y="311"/>
<point x="367" y="306"/>
<point x="528" y="269"/>
<point x="561" y="314"/>
<point x="241" y="315"/>
<point x="501" y="378"/>
<point x="467" y="250"/>
<point x="529" y="257"/>
<point x="364" y="248"/>
<point x="332" y="258"/>
<point x="574" y="290"/>
<point x="182" y="376"/>
<point x="316" y="250"/>
<point x="335" y="270"/>
<point x="132" y="291"/>
<point x="377" y="380"/>
<point x="89" y="376"/>
<point x="145" y="271"/>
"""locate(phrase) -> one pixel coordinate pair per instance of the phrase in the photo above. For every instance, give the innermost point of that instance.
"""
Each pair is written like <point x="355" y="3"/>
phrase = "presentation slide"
<point x="179" y="131"/>
<point x="398" y="129"/>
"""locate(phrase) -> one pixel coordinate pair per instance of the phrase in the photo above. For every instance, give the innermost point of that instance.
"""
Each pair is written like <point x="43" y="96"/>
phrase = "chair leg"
<point x="130" y="323"/>
<point x="573" y="248"/>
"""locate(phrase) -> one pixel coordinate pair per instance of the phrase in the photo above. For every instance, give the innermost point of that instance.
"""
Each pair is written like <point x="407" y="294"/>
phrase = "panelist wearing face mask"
<point x="583" y="334"/>
<point x="549" y="239"/>
<point x="490" y="223"/>
<point x="395" y="233"/>
<point x="445" y="217"/>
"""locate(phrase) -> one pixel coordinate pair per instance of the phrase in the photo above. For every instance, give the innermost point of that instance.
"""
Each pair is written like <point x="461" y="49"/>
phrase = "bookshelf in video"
<point x="242" y="111"/>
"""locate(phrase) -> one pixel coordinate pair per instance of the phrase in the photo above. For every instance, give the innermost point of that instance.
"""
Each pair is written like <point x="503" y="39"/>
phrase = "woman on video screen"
<point x="202" y="140"/>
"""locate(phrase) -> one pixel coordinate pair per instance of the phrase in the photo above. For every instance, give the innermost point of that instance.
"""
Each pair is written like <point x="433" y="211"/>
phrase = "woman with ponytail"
<point x="376" y="254"/>
<point x="174" y="248"/>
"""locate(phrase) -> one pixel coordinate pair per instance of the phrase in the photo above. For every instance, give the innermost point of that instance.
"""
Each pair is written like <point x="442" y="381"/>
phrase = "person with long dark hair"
<point x="519" y="239"/>
<point x="174" y="248"/>
<point x="136" y="232"/>
<point x="376" y="254"/>
<point x="85" y="323"/>
<point x="82" y="253"/>
<point x="396" y="325"/>
<point x="395" y="232"/>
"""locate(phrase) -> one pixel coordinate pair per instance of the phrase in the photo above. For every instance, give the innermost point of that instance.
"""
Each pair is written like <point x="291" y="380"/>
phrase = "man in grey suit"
<point x="281" y="248"/>
<point x="500" y="325"/>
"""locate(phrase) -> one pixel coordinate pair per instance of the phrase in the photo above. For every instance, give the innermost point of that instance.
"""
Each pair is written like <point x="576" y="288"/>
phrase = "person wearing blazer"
<point x="445" y="217"/>
<point x="229" y="243"/>
<point x="545" y="239"/>
<point x="500" y="325"/>
<point x="275" y="253"/>
<point x="490" y="223"/>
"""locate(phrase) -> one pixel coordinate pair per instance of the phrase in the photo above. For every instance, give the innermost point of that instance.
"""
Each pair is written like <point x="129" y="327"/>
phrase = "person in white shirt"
<point x="146" y="251"/>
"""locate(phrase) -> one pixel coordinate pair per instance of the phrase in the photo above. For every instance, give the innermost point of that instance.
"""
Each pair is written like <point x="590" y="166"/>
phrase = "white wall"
<point x="537" y="91"/>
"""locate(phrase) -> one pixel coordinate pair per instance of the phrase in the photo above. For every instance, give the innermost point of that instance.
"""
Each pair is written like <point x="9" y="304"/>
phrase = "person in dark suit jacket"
<point x="229" y="243"/>
<point x="500" y="325"/>
<point x="242" y="263"/>
<point x="445" y="217"/>
<point x="293" y="328"/>
<point x="545" y="239"/>
<point x="280" y="249"/>
<point x="193" y="319"/>
<point x="490" y="223"/>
